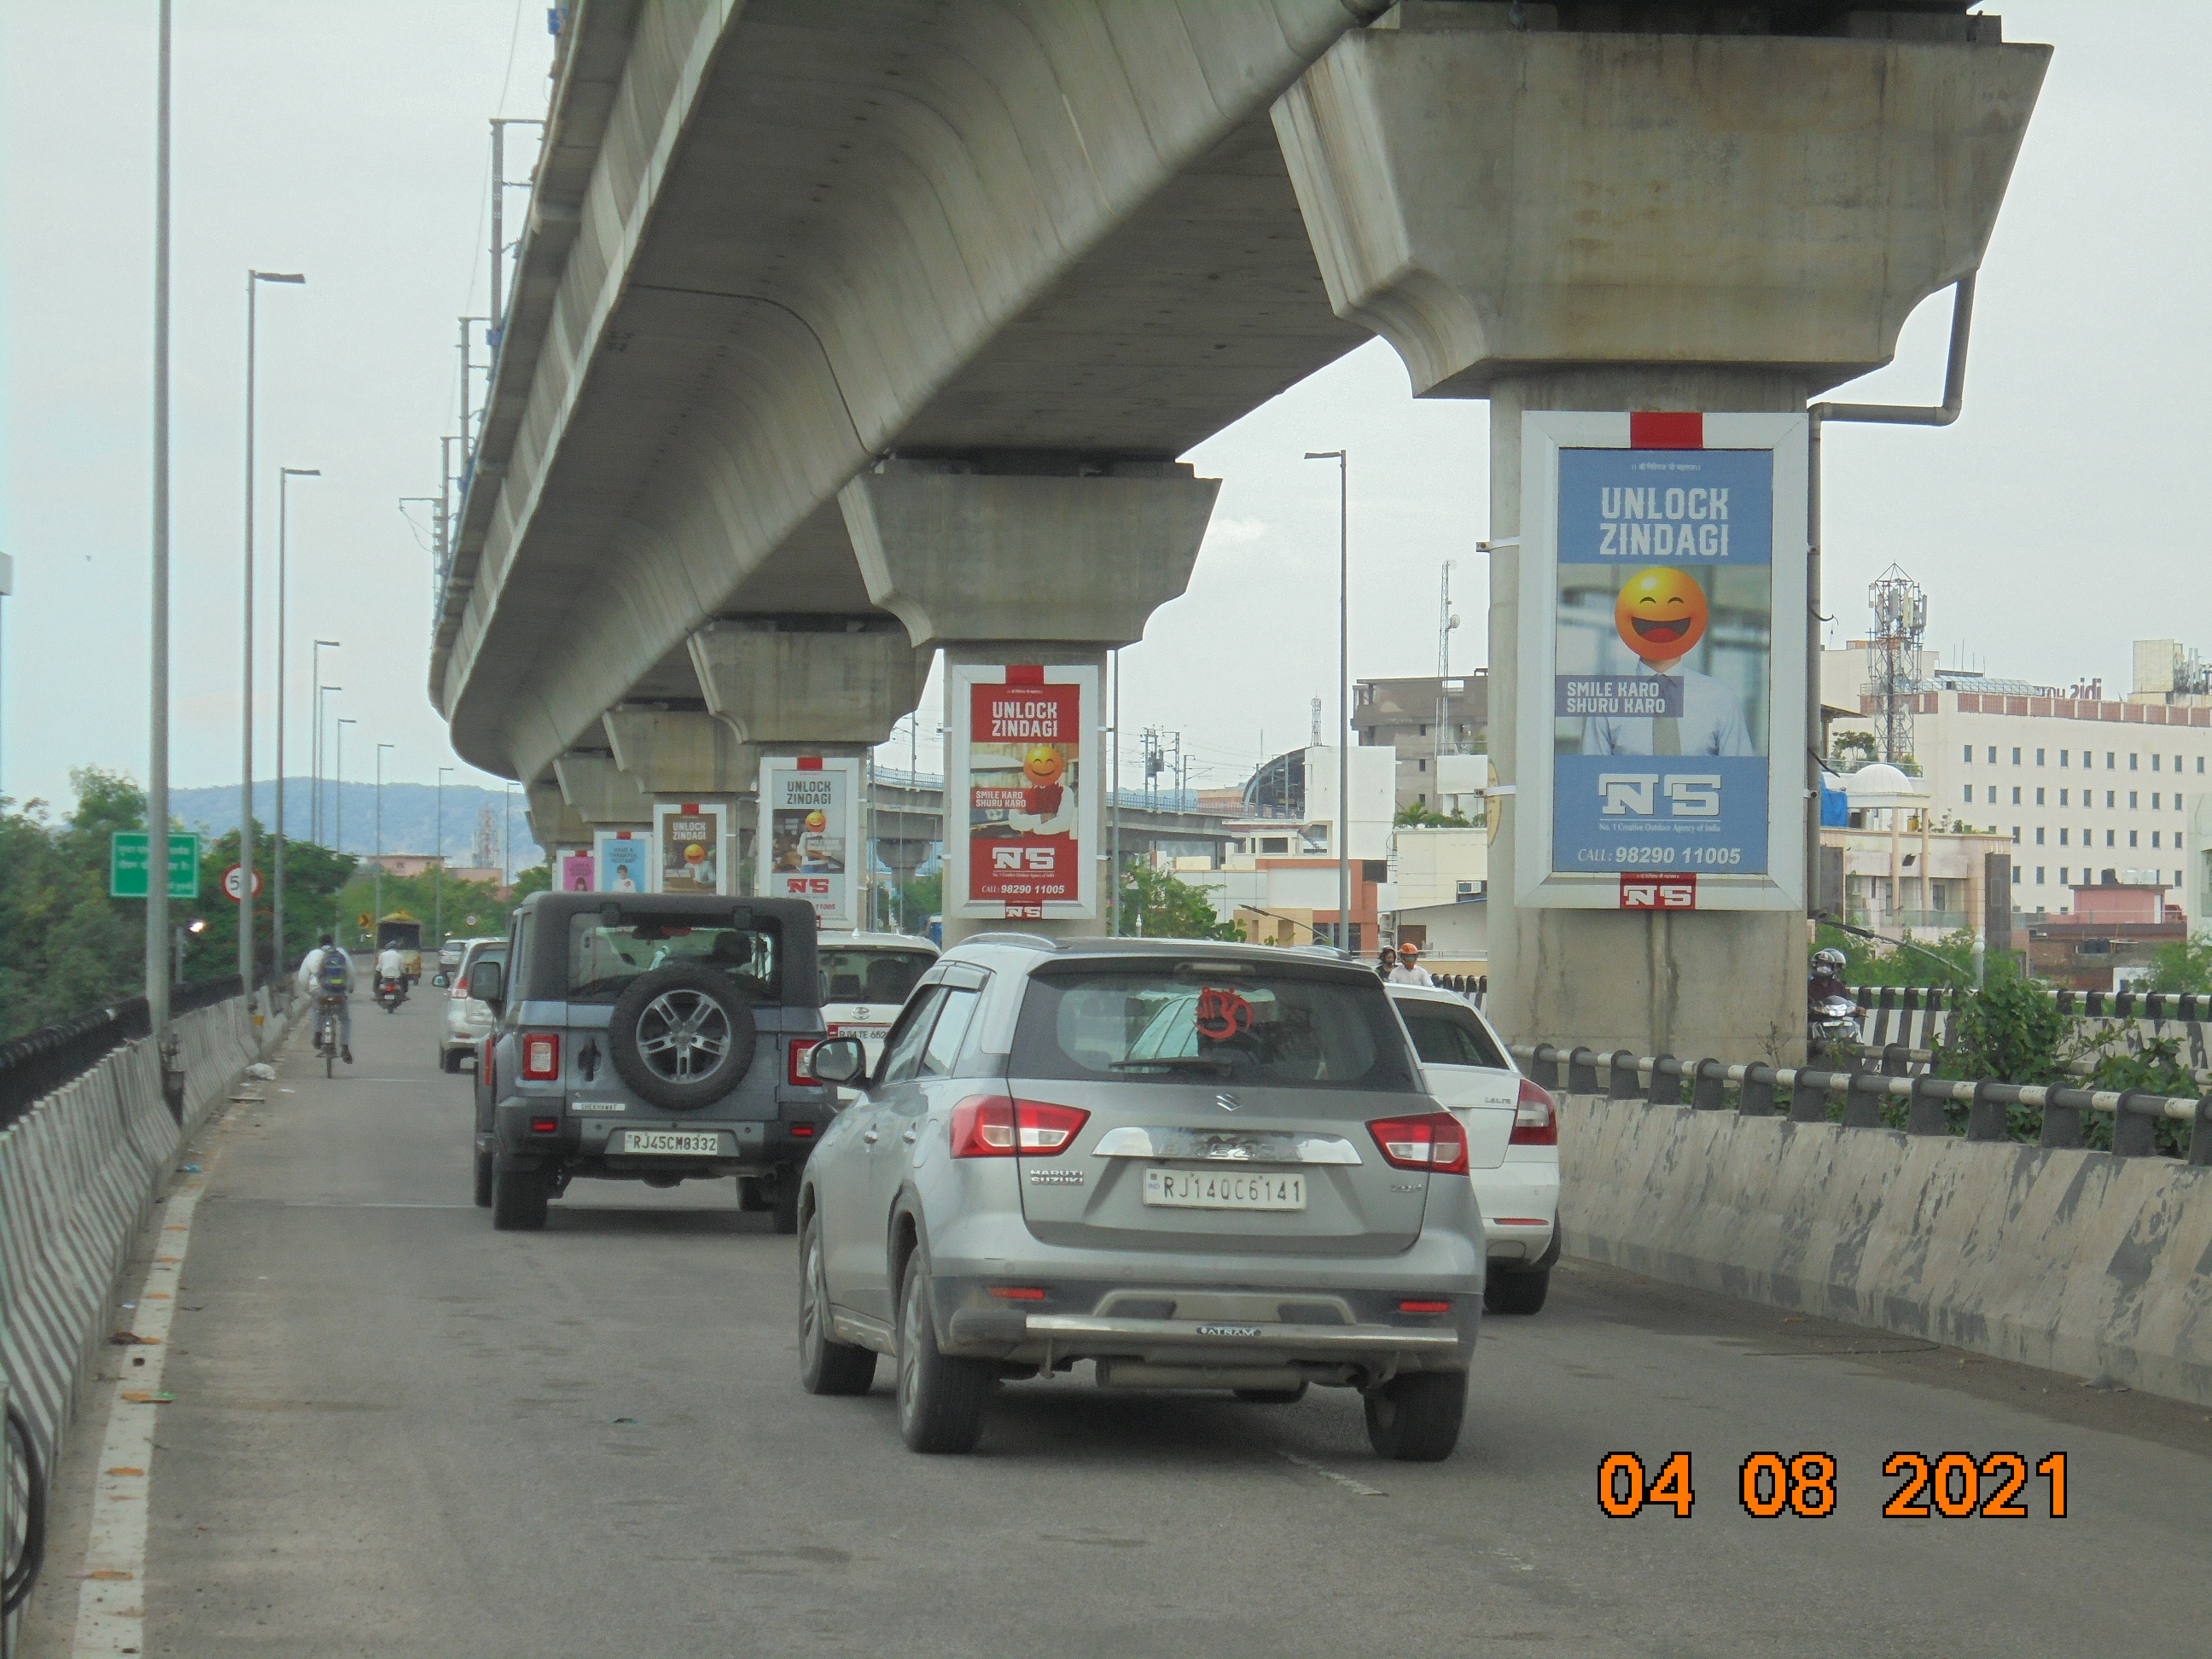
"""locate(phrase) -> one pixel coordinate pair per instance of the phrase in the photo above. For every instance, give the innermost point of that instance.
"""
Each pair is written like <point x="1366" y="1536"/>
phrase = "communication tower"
<point x="1900" y="623"/>
<point x="487" y="840"/>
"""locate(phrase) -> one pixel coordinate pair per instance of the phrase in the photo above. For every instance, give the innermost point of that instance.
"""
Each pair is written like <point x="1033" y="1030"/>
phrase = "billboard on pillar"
<point x="811" y="806"/>
<point x="1018" y="739"/>
<point x="623" y="860"/>
<point x="690" y="848"/>
<point x="1661" y="725"/>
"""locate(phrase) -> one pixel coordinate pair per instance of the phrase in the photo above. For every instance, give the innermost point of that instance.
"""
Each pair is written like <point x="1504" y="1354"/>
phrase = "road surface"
<point x="397" y="1432"/>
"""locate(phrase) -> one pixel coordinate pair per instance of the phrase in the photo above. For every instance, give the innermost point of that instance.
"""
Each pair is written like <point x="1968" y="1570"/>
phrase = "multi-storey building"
<point x="1427" y="721"/>
<point x="2087" y="788"/>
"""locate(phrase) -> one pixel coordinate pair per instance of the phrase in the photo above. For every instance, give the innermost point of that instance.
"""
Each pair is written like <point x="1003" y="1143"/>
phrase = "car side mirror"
<point x="440" y="979"/>
<point x="488" y="983"/>
<point x="841" y="1059"/>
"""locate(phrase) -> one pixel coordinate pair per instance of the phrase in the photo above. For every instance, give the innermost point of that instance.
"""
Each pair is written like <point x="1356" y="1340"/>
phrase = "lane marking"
<point x="111" y="1607"/>
<point x="1359" y="1487"/>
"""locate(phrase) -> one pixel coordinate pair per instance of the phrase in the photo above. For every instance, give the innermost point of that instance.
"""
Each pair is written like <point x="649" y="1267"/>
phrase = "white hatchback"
<point x="1468" y="1070"/>
<point x="865" y="978"/>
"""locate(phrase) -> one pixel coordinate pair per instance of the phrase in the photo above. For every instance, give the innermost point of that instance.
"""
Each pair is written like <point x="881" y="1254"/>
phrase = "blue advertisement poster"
<point x="622" y="868"/>
<point x="1663" y="669"/>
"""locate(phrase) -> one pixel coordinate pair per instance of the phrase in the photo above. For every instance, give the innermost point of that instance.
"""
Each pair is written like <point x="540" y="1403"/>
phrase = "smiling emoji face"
<point x="1660" y="613"/>
<point x="1044" y="765"/>
<point x="816" y="823"/>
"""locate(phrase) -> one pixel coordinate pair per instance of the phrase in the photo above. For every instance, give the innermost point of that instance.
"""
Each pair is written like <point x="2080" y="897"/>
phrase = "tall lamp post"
<point x="376" y="917"/>
<point x="438" y="925"/>
<point x="253" y="281"/>
<point x="1343" y="693"/>
<point x="157" y="755"/>
<point x="284" y="476"/>
<point x="338" y="803"/>
<point x="315" y="749"/>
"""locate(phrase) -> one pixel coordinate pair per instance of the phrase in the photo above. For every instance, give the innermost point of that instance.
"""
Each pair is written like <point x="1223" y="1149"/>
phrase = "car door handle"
<point x="871" y="1137"/>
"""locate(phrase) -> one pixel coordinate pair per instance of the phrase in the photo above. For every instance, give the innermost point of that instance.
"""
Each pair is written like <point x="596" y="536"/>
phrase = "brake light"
<point x="544" y="1126"/>
<point x="993" y="1125"/>
<point x="460" y="990"/>
<point x="1535" y="1119"/>
<point x="541" y="1057"/>
<point x="1434" y="1141"/>
<point x="800" y="1131"/>
<point x="484" y="1066"/>
<point x="799" y="1071"/>
<point x="1425" y="1307"/>
<point x="1015" y="1293"/>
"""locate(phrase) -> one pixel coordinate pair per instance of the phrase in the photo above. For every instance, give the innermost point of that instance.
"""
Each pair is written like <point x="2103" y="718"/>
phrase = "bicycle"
<point x="326" y="1033"/>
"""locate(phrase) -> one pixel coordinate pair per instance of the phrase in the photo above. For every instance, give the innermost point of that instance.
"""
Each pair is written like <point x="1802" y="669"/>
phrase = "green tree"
<point x="1154" y="903"/>
<point x="1414" y="815"/>
<point x="2184" y="965"/>
<point x="2009" y="1029"/>
<point x="1868" y="962"/>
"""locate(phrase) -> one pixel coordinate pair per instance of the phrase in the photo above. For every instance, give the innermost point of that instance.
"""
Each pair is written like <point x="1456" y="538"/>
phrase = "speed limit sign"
<point x="233" y="884"/>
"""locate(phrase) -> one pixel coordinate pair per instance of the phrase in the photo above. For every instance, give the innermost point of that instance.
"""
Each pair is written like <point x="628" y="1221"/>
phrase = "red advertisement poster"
<point x="1024" y="765"/>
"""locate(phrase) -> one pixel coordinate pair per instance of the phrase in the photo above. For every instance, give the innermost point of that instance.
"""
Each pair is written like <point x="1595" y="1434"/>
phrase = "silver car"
<point x="465" y="1021"/>
<point x="1197" y="1165"/>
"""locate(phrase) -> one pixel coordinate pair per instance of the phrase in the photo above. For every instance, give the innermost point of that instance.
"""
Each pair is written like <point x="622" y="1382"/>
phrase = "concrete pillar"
<point x="1609" y="221"/>
<point x="553" y="822"/>
<point x="995" y="562"/>
<point x="808" y="685"/>
<point x="601" y="794"/>
<point x="680" y="754"/>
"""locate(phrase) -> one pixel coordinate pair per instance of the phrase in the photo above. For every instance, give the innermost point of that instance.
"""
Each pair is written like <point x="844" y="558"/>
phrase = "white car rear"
<point x="865" y="978"/>
<point x="1469" y="1071"/>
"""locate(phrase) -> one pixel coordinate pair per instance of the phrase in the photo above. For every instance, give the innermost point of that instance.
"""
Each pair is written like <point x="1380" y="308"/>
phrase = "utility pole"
<point x="500" y="186"/>
<point x="245" y="965"/>
<point x="337" y="788"/>
<point x="1113" y="919"/>
<point x="438" y="925"/>
<point x="285" y="475"/>
<point x="157" y="757"/>
<point x="315" y="749"/>
<point x="376" y="914"/>
<point x="1343" y="691"/>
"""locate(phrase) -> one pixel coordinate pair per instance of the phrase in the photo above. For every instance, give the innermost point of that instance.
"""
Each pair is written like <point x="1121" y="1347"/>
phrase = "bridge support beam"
<point x="553" y="823"/>
<point x="808" y="685"/>
<point x="995" y="562"/>
<point x="1609" y="222"/>
<point x="680" y="754"/>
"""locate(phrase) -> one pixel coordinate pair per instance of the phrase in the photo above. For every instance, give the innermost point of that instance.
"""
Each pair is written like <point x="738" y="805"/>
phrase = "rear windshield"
<point x="603" y="959"/>
<point x="1450" y="1037"/>
<point x="872" y="974"/>
<point x="1253" y="1029"/>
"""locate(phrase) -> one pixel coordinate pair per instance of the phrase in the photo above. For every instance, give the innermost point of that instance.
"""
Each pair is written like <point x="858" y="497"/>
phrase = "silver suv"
<point x="653" y="1038"/>
<point x="1199" y="1166"/>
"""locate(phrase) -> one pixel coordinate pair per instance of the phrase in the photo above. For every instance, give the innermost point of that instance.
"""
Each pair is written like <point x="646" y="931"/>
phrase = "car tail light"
<point x="544" y="1126"/>
<point x="1015" y="1293"/>
<point x="1434" y="1141"/>
<point x="1425" y="1307"/>
<point x="485" y="1068"/>
<point x="1535" y="1119"/>
<point x="460" y="990"/>
<point x="800" y="1131"/>
<point x="799" y="1071"/>
<point x="993" y="1125"/>
<point x="541" y="1057"/>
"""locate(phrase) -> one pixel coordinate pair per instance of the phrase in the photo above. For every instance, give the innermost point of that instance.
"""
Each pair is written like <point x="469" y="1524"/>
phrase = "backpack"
<point x="331" y="972"/>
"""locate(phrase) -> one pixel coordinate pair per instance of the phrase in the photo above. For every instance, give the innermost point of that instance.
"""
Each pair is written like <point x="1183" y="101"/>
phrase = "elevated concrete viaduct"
<point x="834" y="314"/>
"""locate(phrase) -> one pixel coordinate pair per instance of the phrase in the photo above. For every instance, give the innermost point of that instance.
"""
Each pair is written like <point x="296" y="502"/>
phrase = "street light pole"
<point x="315" y="749"/>
<point x="438" y="925"/>
<point x="284" y="476"/>
<point x="157" y="756"/>
<point x="376" y="922"/>
<point x="254" y="279"/>
<point x="338" y="798"/>
<point x="1343" y="692"/>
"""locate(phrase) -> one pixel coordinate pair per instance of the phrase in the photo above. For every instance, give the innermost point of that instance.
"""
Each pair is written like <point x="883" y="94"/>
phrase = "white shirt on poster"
<point x="1711" y="721"/>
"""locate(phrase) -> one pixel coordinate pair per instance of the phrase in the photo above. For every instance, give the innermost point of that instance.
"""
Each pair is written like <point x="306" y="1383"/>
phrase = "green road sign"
<point x="126" y="865"/>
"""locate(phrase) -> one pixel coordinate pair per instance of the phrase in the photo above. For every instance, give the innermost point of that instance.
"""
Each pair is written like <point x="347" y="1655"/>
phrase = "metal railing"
<point x="1802" y="1094"/>
<point x="35" y="1064"/>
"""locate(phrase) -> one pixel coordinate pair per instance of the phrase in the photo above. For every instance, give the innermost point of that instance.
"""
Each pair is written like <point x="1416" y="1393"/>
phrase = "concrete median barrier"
<point x="2076" y="1261"/>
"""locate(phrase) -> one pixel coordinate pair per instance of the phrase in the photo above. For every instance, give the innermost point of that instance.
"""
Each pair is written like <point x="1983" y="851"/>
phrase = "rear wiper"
<point x="1175" y="1063"/>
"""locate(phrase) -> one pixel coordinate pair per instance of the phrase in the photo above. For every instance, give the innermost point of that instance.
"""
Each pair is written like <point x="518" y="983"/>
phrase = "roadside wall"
<point x="2076" y="1262"/>
<point x="78" y="1174"/>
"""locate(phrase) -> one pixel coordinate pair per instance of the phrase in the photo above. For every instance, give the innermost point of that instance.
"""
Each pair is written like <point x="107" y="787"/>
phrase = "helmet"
<point x="1831" y="958"/>
<point x="1409" y="949"/>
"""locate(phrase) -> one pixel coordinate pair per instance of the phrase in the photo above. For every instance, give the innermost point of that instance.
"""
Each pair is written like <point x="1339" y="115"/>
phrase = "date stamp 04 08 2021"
<point x="1951" y="1485"/>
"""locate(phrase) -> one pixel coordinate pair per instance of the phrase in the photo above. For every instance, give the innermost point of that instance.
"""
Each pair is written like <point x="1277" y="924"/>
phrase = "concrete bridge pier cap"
<point x="1563" y="220"/>
<point x="1032" y="560"/>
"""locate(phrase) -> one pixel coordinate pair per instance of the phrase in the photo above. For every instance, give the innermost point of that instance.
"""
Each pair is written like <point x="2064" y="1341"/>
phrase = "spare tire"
<point x="683" y="1036"/>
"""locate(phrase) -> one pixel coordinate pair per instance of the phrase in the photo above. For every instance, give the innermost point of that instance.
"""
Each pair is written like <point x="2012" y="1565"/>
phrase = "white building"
<point x="2080" y="783"/>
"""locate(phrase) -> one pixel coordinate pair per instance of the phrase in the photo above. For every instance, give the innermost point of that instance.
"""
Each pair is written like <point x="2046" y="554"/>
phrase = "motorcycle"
<point x="391" y="992"/>
<point x="1833" y="1023"/>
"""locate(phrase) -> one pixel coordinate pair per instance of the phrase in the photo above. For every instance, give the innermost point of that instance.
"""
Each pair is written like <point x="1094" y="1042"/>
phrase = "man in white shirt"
<point x="327" y="971"/>
<point x="1409" y="970"/>
<point x="1710" y="723"/>
<point x="390" y="964"/>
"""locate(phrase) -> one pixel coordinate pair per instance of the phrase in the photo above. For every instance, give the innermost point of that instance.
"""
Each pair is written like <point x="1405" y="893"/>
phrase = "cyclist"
<point x="327" y="974"/>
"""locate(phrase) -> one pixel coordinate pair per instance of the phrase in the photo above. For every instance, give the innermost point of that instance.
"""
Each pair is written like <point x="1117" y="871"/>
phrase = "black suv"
<point x="656" y="1038"/>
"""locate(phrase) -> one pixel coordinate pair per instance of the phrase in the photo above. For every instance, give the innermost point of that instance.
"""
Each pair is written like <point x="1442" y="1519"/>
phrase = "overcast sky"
<point x="2058" y="521"/>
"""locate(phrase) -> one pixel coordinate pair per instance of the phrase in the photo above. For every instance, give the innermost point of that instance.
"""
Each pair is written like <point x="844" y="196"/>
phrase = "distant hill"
<point x="410" y="816"/>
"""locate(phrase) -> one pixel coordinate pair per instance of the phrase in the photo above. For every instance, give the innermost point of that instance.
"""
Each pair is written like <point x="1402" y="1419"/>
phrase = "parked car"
<point x="451" y="952"/>
<point x="1198" y="1165"/>
<point x="865" y="980"/>
<point x="1468" y="1069"/>
<point x="465" y="1020"/>
<point x="652" y="1037"/>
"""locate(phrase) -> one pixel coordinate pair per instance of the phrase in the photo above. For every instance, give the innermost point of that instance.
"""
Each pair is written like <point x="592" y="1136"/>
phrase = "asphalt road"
<point x="397" y="1432"/>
